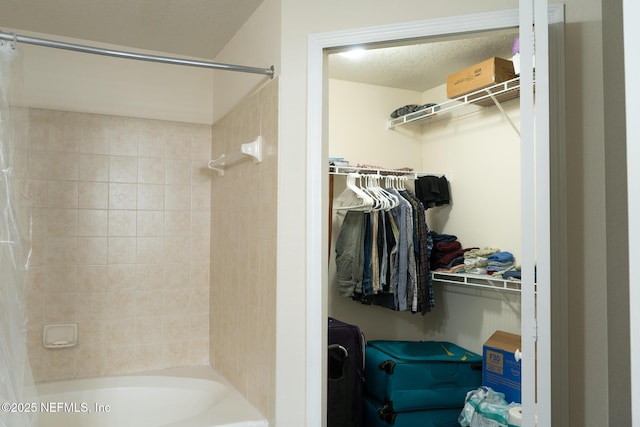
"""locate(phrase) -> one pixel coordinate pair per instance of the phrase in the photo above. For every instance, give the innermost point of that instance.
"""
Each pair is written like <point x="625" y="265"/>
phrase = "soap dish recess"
<point x="60" y="335"/>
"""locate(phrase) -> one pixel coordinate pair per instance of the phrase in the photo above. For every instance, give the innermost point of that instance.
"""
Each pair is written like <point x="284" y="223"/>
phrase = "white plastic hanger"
<point x="378" y="202"/>
<point x="353" y="197"/>
<point x="389" y="200"/>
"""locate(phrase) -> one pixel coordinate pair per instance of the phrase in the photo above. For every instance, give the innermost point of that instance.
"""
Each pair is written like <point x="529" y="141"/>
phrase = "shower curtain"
<point x="18" y="399"/>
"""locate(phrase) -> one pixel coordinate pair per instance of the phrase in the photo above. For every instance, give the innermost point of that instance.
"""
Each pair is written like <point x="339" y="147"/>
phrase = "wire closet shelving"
<point x="481" y="281"/>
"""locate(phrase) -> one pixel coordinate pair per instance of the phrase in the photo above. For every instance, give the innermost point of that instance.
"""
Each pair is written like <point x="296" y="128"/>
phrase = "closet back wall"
<point x="479" y="154"/>
<point x="357" y="131"/>
<point x="357" y="125"/>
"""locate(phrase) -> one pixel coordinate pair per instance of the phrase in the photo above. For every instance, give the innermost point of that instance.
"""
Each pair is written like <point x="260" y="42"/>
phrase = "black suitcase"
<point x="345" y="375"/>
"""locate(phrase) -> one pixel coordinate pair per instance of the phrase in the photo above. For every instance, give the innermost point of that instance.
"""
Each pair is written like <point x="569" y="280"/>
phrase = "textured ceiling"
<point x="423" y="65"/>
<point x="198" y="28"/>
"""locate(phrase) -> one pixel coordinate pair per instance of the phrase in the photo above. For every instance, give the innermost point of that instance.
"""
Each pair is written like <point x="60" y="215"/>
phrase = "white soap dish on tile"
<point x="60" y="335"/>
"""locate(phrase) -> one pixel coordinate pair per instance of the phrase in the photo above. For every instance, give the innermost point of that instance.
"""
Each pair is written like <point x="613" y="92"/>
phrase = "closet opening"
<point x="472" y="148"/>
<point x="517" y="180"/>
<point x="388" y="80"/>
<point x="510" y="171"/>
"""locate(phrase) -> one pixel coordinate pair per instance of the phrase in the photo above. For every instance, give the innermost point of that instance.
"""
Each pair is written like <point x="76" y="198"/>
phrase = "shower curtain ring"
<point x="15" y="41"/>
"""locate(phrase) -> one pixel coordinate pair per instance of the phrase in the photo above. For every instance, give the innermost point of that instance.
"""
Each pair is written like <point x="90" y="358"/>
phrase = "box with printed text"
<point x="500" y="369"/>
<point x="481" y="76"/>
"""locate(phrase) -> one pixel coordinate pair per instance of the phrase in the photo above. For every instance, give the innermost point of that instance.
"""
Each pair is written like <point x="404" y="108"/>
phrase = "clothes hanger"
<point x="353" y="198"/>
<point x="357" y="186"/>
<point x="380" y="202"/>
<point x="401" y="182"/>
<point x="394" y="182"/>
<point x="393" y="199"/>
<point x="390" y="200"/>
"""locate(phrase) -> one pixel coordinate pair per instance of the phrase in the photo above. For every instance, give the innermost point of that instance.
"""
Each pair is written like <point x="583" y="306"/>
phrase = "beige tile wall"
<point x="121" y="239"/>
<point x="243" y="252"/>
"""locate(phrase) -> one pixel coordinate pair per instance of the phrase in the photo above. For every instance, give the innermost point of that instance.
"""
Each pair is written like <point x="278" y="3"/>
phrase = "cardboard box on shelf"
<point x="480" y="76"/>
<point x="500" y="370"/>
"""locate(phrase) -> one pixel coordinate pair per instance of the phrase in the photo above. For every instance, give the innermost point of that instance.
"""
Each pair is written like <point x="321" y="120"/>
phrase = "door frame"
<point x="632" y="88"/>
<point x="317" y="189"/>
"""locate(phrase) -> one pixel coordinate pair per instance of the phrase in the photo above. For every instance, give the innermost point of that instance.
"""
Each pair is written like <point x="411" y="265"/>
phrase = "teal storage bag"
<point x="417" y="375"/>
<point x="377" y="414"/>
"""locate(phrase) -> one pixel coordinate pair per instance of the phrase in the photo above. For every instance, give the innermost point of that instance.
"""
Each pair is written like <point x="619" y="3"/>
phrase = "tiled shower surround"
<point x="160" y="261"/>
<point x="121" y="225"/>
<point x="243" y="251"/>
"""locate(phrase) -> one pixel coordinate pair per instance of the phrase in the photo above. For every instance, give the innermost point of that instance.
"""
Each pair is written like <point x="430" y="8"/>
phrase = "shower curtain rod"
<point x="130" y="55"/>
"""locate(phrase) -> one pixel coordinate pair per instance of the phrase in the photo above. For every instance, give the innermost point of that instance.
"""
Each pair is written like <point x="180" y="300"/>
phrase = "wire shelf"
<point x="346" y="170"/>
<point x="483" y="95"/>
<point x="477" y="281"/>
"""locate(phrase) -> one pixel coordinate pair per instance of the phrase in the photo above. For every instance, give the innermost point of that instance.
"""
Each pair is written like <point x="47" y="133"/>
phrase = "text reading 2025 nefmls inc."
<point x="54" y="407"/>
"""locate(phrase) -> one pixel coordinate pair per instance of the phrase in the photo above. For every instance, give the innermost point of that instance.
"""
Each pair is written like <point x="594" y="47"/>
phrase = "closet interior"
<point x="374" y="130"/>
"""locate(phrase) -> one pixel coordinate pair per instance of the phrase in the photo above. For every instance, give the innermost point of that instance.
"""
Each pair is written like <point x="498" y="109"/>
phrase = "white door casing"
<point x="536" y="325"/>
<point x="632" y="89"/>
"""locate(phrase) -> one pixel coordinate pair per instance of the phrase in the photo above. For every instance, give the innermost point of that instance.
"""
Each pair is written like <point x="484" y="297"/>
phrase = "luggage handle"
<point x="386" y="413"/>
<point x="338" y="346"/>
<point x="388" y="366"/>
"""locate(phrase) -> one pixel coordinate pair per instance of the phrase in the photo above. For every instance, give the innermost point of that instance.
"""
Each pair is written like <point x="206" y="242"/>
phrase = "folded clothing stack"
<point x="512" y="273"/>
<point x="411" y="108"/>
<point x="476" y="260"/>
<point x="447" y="253"/>
<point x="499" y="262"/>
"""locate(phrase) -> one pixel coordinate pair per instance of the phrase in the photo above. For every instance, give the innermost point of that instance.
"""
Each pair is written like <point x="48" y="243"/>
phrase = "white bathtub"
<point x="180" y="397"/>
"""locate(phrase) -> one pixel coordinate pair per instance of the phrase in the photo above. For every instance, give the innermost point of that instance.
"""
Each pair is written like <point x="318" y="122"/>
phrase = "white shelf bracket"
<point x="251" y="149"/>
<point x="504" y="113"/>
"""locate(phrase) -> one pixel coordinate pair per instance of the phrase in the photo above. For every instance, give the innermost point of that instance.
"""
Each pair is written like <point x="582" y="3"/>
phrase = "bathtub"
<point x="179" y="397"/>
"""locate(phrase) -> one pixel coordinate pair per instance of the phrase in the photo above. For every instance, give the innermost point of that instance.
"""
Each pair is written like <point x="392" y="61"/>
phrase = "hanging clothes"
<point x="433" y="191"/>
<point x="423" y="245"/>
<point x="382" y="256"/>
<point x="350" y="254"/>
<point x="405" y="272"/>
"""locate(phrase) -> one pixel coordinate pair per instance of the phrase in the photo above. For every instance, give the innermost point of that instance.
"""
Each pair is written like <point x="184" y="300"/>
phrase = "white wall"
<point x="480" y="155"/>
<point x="586" y="212"/>
<point x="70" y="81"/>
<point x="79" y="82"/>
<point x="358" y="127"/>
<point x="479" y="152"/>
<point x="257" y="44"/>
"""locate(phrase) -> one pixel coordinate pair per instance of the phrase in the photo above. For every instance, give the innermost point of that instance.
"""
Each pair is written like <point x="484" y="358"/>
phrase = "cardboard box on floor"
<point x="500" y="370"/>
<point x="482" y="75"/>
